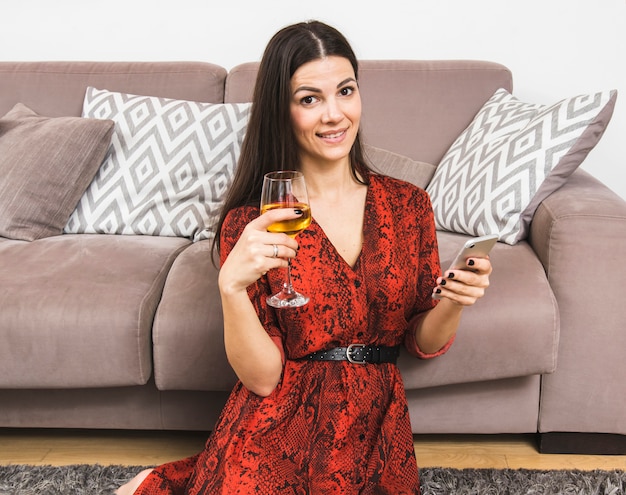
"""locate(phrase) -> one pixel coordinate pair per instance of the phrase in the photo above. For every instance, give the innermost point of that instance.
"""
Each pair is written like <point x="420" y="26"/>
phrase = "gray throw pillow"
<point x="399" y="166"/>
<point x="46" y="163"/>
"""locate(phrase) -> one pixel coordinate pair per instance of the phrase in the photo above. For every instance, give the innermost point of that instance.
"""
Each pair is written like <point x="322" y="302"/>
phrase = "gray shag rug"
<point x="85" y="479"/>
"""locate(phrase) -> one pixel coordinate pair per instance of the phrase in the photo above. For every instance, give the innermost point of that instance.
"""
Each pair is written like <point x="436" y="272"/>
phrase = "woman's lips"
<point x="333" y="136"/>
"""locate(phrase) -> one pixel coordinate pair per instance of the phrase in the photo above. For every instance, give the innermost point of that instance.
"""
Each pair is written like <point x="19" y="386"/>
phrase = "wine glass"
<point x="286" y="189"/>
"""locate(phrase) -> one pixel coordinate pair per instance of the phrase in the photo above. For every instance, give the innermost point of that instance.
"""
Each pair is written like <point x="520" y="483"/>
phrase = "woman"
<point x="296" y="422"/>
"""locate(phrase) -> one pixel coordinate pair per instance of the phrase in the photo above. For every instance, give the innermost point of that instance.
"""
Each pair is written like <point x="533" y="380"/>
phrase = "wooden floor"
<point x="61" y="447"/>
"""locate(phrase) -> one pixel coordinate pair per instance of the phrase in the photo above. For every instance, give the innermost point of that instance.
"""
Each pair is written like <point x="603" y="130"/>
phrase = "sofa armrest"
<point x="579" y="234"/>
<point x="568" y="211"/>
<point x="188" y="328"/>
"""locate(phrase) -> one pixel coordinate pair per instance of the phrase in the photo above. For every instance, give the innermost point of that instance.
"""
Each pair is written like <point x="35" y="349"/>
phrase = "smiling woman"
<point x="320" y="405"/>
<point x="325" y="113"/>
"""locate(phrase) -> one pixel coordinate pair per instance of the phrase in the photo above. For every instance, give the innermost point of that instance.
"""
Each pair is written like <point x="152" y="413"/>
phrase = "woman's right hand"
<point x="254" y="254"/>
<point x="251" y="352"/>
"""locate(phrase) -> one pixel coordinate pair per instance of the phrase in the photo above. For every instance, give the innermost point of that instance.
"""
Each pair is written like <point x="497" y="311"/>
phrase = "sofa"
<point x="124" y="330"/>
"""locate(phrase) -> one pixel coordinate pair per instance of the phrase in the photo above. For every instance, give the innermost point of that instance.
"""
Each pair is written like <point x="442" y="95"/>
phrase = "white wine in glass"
<point x="286" y="189"/>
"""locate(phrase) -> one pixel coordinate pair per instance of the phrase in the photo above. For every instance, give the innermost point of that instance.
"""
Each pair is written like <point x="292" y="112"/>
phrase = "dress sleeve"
<point x="413" y="348"/>
<point x="234" y="223"/>
<point x="429" y="270"/>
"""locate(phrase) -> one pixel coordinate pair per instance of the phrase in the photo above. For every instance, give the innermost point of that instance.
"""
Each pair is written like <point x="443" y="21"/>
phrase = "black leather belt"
<point x="357" y="354"/>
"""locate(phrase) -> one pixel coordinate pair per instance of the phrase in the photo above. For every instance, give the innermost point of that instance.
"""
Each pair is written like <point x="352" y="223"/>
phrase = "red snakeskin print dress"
<point x="329" y="427"/>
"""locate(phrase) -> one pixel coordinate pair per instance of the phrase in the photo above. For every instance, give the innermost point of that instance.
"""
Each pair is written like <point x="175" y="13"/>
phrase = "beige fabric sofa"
<point x="123" y="331"/>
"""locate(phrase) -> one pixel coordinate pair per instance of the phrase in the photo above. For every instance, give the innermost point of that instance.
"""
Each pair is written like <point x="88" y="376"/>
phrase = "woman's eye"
<point x="347" y="91"/>
<point x="308" y="100"/>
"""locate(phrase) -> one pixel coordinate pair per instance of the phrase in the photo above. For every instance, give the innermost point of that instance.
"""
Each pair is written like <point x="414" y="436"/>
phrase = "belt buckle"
<point x="349" y="351"/>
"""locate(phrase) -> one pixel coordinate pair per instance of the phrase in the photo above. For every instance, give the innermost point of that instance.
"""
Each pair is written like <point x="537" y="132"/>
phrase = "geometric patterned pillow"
<point x="167" y="169"/>
<point x="510" y="158"/>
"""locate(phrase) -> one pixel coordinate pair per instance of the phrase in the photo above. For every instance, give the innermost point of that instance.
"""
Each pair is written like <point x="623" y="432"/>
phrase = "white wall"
<point x="555" y="48"/>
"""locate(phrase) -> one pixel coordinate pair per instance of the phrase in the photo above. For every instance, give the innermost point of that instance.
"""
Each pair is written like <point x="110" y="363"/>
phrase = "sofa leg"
<point x="581" y="443"/>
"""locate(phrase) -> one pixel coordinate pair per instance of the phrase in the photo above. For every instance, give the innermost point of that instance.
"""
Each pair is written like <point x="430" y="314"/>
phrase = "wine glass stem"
<point x="287" y="286"/>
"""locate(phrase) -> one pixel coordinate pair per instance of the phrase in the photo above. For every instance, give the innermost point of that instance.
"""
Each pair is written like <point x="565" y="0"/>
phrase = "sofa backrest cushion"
<point x="416" y="108"/>
<point x="58" y="88"/>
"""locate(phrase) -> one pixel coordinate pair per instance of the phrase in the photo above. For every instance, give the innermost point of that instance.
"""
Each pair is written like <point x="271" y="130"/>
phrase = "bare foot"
<point x="130" y="487"/>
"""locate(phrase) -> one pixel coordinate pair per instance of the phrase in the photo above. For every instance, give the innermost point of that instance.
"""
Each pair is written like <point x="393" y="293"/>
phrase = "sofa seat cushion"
<point x="77" y="310"/>
<point x="512" y="331"/>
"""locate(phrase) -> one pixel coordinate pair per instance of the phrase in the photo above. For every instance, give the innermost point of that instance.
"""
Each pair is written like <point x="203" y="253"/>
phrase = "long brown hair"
<point x="270" y="142"/>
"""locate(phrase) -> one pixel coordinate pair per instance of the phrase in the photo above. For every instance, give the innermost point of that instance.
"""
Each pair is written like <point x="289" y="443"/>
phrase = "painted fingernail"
<point x="443" y="282"/>
<point x="451" y="275"/>
<point x="437" y="291"/>
<point x="298" y="211"/>
<point x="470" y="262"/>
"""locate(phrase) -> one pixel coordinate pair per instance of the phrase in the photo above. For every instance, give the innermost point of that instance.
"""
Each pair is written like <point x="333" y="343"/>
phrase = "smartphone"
<point x="477" y="247"/>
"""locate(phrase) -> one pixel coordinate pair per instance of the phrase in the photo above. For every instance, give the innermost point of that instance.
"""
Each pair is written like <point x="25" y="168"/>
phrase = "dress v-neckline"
<point x="355" y="266"/>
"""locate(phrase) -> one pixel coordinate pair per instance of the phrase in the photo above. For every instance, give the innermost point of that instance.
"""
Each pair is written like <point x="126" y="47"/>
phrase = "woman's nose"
<point x="332" y="111"/>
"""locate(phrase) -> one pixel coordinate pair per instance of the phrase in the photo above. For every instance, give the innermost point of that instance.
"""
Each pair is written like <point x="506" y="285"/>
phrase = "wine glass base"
<point x="287" y="300"/>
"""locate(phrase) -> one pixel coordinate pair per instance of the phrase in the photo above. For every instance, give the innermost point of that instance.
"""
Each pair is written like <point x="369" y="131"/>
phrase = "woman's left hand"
<point x="465" y="286"/>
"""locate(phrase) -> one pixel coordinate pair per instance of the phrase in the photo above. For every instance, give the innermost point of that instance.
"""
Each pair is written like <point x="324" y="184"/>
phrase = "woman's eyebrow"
<point x="346" y="81"/>
<point x="308" y="88"/>
<point x="317" y="90"/>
